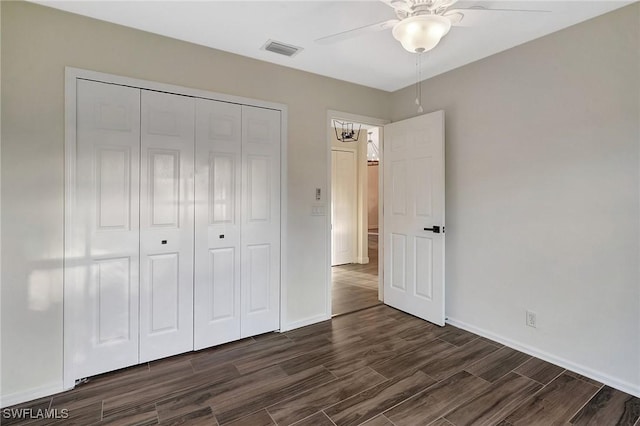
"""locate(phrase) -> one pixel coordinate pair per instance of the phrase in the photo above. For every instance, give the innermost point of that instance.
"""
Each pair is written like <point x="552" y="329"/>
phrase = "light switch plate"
<point x="318" y="210"/>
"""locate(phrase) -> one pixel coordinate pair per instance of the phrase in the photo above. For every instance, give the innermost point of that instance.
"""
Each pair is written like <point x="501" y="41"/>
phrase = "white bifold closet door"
<point x="173" y="225"/>
<point x="166" y="224"/>
<point x="260" y="239"/>
<point x="237" y="286"/>
<point x="218" y="197"/>
<point x="101" y="289"/>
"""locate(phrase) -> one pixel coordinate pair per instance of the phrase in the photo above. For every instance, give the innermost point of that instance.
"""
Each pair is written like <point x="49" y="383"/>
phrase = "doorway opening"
<point x="355" y="215"/>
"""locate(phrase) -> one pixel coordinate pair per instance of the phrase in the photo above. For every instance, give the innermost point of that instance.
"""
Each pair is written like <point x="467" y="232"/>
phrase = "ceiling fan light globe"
<point x="421" y="33"/>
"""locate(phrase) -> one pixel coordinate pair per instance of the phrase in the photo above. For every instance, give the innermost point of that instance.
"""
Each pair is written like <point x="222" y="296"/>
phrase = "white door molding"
<point x="369" y="121"/>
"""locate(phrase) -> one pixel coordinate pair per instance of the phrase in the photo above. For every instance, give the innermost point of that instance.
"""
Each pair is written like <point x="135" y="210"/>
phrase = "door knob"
<point x="435" y="229"/>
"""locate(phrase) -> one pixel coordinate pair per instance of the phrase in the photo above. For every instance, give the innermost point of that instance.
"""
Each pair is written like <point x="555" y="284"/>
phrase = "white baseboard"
<point x="30" y="394"/>
<point x="305" y="322"/>
<point x="616" y="383"/>
<point x="363" y="260"/>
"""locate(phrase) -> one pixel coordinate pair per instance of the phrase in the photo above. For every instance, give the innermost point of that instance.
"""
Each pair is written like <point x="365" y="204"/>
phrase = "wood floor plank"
<point x="379" y="420"/>
<point x="86" y="415"/>
<point x="278" y="355"/>
<point x="556" y="403"/>
<point x="584" y="378"/>
<point x="348" y="297"/>
<point x="496" y="402"/>
<point x="193" y="399"/>
<point x="303" y="405"/>
<point x="414" y="360"/>
<point x="121" y="382"/>
<point x="491" y="342"/>
<point x="310" y="330"/>
<point x="370" y="330"/>
<point x="178" y="362"/>
<point x="437" y="400"/>
<point x="367" y="355"/>
<point x="170" y="389"/>
<point x="141" y="415"/>
<point x="441" y="422"/>
<point x="456" y="336"/>
<point x="259" y="418"/>
<point x="497" y="364"/>
<point x="421" y="331"/>
<point x="238" y="354"/>
<point x="201" y="417"/>
<point x="378" y="399"/>
<point x="230" y="409"/>
<point x="343" y="341"/>
<point x="609" y="407"/>
<point x="444" y="365"/>
<point x="539" y="370"/>
<point x="318" y="419"/>
<point x="311" y="359"/>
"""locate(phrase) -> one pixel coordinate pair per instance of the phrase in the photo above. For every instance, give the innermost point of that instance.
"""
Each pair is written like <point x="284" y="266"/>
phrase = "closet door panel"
<point x="166" y="224"/>
<point x="101" y="283"/>
<point x="260" y="220"/>
<point x="217" y="240"/>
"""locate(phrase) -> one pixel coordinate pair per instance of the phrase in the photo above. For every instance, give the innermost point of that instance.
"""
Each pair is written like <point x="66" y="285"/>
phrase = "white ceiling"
<point x="374" y="59"/>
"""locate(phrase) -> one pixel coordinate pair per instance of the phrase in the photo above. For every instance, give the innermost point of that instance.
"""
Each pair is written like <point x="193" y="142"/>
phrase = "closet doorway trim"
<point x="70" y="145"/>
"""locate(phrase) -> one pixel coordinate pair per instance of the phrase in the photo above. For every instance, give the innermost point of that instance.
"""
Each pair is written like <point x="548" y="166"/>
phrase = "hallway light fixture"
<point x="421" y="33"/>
<point x="373" y="154"/>
<point x="346" y="132"/>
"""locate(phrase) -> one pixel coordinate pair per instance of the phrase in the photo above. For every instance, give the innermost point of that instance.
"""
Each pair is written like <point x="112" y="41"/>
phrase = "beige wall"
<point x="542" y="150"/>
<point x="37" y="43"/>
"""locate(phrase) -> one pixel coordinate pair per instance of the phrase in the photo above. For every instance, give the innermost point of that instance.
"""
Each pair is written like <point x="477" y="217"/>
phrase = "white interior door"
<point x="217" y="239"/>
<point x="344" y="197"/>
<point x="101" y="260"/>
<point x="260" y="221"/>
<point x="414" y="216"/>
<point x="166" y="224"/>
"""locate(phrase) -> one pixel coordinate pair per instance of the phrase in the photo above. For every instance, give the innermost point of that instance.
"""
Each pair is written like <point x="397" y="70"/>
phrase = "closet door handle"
<point x="435" y="229"/>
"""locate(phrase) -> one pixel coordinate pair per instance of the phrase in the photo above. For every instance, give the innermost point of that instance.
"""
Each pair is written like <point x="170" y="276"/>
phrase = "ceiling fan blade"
<point x="345" y="35"/>
<point x="454" y="16"/>
<point x="398" y="5"/>
<point x="474" y="16"/>
<point x="486" y="9"/>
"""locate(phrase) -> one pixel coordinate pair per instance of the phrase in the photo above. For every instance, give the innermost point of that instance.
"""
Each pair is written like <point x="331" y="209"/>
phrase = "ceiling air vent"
<point x="281" y="48"/>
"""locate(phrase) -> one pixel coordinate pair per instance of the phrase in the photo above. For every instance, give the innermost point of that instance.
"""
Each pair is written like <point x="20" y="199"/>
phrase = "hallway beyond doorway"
<point x="355" y="286"/>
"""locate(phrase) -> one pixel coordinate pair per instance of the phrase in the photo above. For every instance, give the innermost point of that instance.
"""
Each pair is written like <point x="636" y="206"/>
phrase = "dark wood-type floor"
<point x="378" y="366"/>
<point x="355" y="286"/>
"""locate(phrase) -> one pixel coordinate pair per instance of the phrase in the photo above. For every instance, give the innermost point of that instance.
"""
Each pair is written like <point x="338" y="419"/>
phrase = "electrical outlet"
<point x="531" y="319"/>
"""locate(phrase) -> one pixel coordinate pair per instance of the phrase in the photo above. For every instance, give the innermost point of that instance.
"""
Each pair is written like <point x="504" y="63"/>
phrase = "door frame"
<point x="369" y="121"/>
<point x="70" y="144"/>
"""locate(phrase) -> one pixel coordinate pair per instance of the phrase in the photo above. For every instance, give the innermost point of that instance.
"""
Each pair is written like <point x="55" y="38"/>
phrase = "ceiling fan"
<point x="419" y="25"/>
